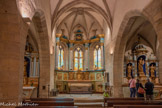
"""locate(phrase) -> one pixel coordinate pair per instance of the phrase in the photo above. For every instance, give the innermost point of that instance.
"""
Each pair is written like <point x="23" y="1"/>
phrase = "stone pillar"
<point x="86" y="58"/>
<point x="102" y="56"/>
<point x="102" y="50"/>
<point x="13" y="34"/>
<point x="34" y="72"/>
<point x="71" y="56"/>
<point x="57" y="49"/>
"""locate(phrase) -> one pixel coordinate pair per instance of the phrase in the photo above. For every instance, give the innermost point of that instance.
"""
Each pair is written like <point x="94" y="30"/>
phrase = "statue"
<point x="25" y="81"/>
<point x="129" y="70"/>
<point x="140" y="67"/>
<point x="95" y="68"/>
<point x="152" y="71"/>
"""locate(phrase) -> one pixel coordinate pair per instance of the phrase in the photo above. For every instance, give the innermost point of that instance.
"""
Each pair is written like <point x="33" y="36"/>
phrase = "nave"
<point x="70" y="52"/>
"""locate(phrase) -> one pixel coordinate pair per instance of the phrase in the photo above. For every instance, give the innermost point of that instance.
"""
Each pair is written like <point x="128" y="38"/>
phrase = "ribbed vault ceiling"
<point x="90" y="16"/>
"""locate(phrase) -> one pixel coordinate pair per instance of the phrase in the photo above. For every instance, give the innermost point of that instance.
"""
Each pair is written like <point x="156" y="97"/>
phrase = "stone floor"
<point x="85" y="100"/>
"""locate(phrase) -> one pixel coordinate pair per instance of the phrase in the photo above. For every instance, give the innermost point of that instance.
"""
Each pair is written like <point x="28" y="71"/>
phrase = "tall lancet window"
<point x="97" y="57"/>
<point x="78" y="59"/>
<point x="61" y="58"/>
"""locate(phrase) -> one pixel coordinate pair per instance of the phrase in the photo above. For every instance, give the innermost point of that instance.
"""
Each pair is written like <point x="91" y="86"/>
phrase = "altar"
<point x="80" y="81"/>
<point x="141" y="63"/>
<point x="80" y="87"/>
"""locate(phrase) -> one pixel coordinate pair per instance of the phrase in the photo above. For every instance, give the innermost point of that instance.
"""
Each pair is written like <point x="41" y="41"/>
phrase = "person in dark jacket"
<point x="149" y="87"/>
<point x="138" y="84"/>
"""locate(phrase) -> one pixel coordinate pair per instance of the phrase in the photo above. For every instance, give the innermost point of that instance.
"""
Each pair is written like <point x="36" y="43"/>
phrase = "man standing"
<point x="149" y="87"/>
<point x="132" y="85"/>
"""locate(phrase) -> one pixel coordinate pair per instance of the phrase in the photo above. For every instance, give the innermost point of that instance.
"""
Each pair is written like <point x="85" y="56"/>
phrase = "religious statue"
<point x="152" y="71"/>
<point x="25" y="81"/>
<point x="140" y="67"/>
<point x="95" y="68"/>
<point x="129" y="71"/>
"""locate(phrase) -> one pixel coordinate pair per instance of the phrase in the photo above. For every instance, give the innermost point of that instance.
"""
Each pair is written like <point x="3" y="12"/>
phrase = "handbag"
<point x="141" y="90"/>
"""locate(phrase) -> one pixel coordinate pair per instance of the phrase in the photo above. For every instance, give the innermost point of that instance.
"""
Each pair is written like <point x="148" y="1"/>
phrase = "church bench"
<point x="137" y="106"/>
<point x="111" y="103"/>
<point x="118" y="99"/>
<point x="51" y="99"/>
<point x="47" y="107"/>
<point x="51" y="103"/>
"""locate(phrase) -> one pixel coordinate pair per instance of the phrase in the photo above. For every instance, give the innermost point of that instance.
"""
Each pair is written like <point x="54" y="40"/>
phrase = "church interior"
<point x="76" y="50"/>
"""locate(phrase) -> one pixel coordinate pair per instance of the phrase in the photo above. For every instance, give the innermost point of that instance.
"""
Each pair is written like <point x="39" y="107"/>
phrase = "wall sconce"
<point x="111" y="52"/>
<point x="27" y="20"/>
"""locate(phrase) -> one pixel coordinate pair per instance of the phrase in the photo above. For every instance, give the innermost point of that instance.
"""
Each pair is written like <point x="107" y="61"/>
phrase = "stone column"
<point x="13" y="34"/>
<point x="71" y="55"/>
<point x="34" y="72"/>
<point x="86" y="58"/>
<point x="102" y="50"/>
<point x="57" y="49"/>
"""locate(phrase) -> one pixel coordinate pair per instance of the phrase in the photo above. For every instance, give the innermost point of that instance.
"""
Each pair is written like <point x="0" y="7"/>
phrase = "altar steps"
<point x="80" y="92"/>
<point x="88" y="103"/>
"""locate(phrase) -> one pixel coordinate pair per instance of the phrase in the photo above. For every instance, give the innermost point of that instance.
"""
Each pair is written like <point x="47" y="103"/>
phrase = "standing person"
<point x="149" y="87"/>
<point x="139" y="86"/>
<point x="132" y="86"/>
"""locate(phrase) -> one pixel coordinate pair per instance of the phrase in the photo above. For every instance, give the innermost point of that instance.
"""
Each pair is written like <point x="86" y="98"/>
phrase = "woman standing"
<point x="140" y="93"/>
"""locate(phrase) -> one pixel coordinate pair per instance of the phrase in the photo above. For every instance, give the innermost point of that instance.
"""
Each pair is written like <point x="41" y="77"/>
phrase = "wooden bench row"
<point x="132" y="102"/>
<point x="51" y="103"/>
<point x="48" y="103"/>
<point x="47" y="107"/>
<point x="117" y="99"/>
<point x="51" y="99"/>
<point x="137" y="106"/>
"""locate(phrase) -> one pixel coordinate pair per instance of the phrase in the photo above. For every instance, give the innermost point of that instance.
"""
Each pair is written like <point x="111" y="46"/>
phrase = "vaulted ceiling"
<point x="90" y="16"/>
<point x="143" y="28"/>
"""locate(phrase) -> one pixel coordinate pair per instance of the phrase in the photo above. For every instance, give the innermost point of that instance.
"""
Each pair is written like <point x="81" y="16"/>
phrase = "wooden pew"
<point x="111" y="103"/>
<point x="51" y="99"/>
<point x="47" y="107"/>
<point x="137" y="106"/>
<point x="50" y="103"/>
<point x="119" y="99"/>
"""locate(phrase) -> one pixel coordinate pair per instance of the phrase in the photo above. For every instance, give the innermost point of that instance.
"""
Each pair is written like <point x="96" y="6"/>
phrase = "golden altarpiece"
<point x="73" y="73"/>
<point x="141" y="63"/>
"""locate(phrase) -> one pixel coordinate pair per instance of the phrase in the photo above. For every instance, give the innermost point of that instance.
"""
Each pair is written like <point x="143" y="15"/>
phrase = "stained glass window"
<point x="78" y="59"/>
<point x="97" y="57"/>
<point x="60" y="58"/>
